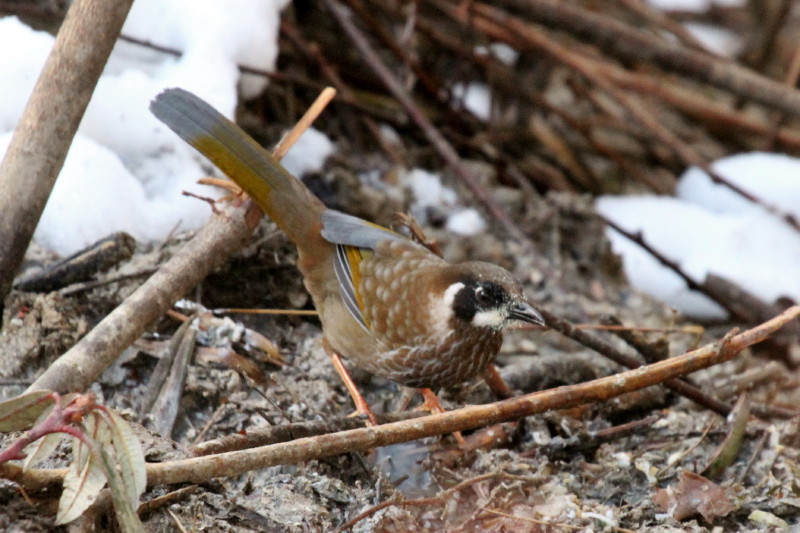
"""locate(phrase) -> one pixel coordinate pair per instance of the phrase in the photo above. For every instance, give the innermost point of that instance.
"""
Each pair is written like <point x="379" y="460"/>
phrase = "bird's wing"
<point x="345" y="264"/>
<point x="339" y="228"/>
<point x="355" y="239"/>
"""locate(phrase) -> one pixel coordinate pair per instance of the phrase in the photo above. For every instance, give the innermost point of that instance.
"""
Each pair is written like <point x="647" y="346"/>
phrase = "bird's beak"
<point x="524" y="312"/>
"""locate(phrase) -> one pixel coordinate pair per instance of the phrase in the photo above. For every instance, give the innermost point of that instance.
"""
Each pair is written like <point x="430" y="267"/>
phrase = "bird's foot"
<point x="363" y="409"/>
<point x="431" y="403"/>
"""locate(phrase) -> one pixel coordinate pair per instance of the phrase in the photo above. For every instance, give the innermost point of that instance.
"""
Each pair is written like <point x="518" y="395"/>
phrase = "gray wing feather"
<point x="339" y="228"/>
<point x="345" y="277"/>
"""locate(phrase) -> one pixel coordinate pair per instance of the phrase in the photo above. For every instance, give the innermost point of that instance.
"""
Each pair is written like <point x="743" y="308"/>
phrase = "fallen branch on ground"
<point x="195" y="470"/>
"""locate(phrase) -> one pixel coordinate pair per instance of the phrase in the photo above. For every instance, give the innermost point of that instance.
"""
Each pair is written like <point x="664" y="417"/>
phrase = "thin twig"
<point x="281" y="77"/>
<point x="342" y="88"/>
<point x="679" y="386"/>
<point x="659" y="18"/>
<point x="792" y="74"/>
<point x="699" y="107"/>
<point x="771" y="18"/>
<point x="291" y="431"/>
<point x="607" y="350"/>
<point x="424" y="502"/>
<point x="236" y="310"/>
<point x="304" y="123"/>
<point x="89" y="285"/>
<point x="691" y="283"/>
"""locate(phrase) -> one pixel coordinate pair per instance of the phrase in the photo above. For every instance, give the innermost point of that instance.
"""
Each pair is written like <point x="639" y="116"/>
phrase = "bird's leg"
<point x="496" y="383"/>
<point x="431" y="403"/>
<point x="362" y="407"/>
<point x="405" y="399"/>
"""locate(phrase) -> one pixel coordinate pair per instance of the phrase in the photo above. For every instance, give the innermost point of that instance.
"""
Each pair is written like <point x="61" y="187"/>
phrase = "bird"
<point x="386" y="303"/>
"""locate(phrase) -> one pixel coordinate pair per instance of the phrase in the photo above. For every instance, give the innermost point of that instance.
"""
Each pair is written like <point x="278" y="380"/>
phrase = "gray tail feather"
<point x="283" y="197"/>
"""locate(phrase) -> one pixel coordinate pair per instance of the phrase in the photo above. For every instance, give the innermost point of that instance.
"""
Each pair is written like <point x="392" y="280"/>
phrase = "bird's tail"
<point x="282" y="197"/>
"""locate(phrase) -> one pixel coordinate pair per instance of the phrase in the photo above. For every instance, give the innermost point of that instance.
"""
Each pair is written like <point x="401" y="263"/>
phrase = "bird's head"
<point x="484" y="295"/>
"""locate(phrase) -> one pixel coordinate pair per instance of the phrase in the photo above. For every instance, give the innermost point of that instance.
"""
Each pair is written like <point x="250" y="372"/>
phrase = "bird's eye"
<point x="482" y="296"/>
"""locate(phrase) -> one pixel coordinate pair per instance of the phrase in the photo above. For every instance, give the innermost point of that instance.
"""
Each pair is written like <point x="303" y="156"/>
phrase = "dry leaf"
<point x="694" y="495"/>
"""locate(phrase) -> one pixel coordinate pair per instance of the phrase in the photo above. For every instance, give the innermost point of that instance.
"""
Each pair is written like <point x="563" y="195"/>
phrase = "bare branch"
<point x="49" y="122"/>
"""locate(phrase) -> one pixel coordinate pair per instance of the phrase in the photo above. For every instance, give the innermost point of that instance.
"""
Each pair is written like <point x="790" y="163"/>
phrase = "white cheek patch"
<point x="442" y="308"/>
<point x="491" y="318"/>
<point x="450" y="294"/>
